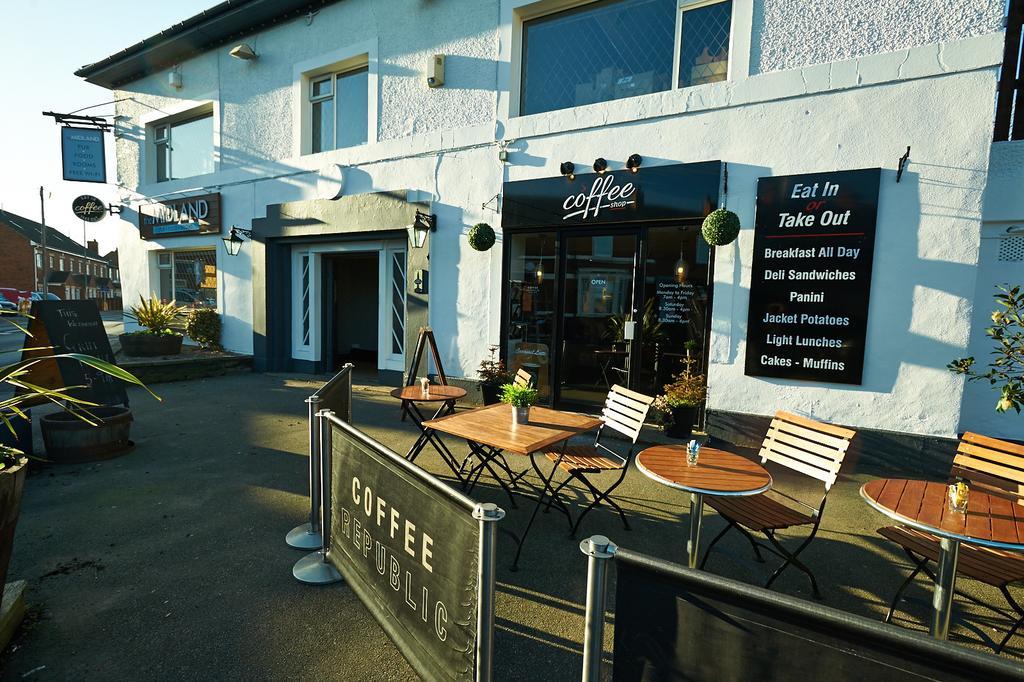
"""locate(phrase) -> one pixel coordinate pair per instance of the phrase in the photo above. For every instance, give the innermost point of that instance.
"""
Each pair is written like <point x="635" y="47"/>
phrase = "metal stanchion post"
<point x="307" y="536"/>
<point x="314" y="569"/>
<point x="486" y="513"/>
<point x="599" y="549"/>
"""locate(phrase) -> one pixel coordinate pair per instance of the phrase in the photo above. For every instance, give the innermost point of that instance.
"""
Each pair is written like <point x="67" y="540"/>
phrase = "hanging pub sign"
<point x="814" y="239"/>
<point x="183" y="217"/>
<point x="88" y="208"/>
<point x="673" y="192"/>
<point x="83" y="155"/>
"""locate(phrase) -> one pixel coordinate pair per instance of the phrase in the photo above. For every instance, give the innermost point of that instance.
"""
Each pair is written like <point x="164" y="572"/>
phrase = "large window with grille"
<point x="189" y="277"/>
<point x="611" y="49"/>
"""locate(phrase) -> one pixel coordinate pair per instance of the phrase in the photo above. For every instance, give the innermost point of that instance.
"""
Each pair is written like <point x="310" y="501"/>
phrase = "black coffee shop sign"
<point x="814" y="240"/>
<point x="88" y="208"/>
<point x="183" y="217"/>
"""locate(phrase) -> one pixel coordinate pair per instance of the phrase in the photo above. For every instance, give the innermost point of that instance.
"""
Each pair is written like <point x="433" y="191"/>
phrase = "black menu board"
<point x="814" y="238"/>
<point x="72" y="327"/>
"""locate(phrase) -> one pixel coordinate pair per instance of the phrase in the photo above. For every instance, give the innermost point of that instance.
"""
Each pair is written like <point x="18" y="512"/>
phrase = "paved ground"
<point x="169" y="562"/>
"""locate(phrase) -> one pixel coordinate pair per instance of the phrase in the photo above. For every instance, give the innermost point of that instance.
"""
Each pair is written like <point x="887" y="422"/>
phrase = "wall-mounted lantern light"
<point x="633" y="163"/>
<point x="568" y="169"/>
<point x="424" y="224"/>
<point x="600" y="165"/>
<point x="233" y="242"/>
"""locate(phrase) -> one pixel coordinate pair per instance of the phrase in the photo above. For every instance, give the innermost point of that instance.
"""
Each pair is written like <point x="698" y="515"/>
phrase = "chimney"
<point x="93" y="247"/>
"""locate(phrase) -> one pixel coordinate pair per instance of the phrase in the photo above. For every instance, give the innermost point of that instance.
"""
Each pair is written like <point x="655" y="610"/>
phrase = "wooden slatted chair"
<point x="523" y="378"/>
<point x="807" y="446"/>
<point x="995" y="467"/>
<point x="624" y="412"/>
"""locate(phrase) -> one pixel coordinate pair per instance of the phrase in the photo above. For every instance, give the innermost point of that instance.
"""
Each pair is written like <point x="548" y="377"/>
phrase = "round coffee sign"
<point x="88" y="208"/>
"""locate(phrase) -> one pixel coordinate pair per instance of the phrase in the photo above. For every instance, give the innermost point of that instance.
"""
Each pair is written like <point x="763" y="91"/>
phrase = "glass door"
<point x="532" y="302"/>
<point x="675" y="306"/>
<point x="598" y="306"/>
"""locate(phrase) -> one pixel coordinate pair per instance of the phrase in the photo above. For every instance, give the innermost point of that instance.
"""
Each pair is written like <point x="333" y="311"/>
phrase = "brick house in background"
<point x="75" y="271"/>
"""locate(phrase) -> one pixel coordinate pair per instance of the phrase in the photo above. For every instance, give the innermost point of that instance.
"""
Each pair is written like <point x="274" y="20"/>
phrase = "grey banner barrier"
<point x="335" y="395"/>
<point x="675" y="623"/>
<point x="419" y="554"/>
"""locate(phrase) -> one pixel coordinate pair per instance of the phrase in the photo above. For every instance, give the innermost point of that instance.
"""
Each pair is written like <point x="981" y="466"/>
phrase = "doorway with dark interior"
<point x="351" y="310"/>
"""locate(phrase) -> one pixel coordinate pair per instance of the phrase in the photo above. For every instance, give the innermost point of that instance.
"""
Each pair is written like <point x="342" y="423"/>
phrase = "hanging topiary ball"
<point x="721" y="227"/>
<point x="481" y="236"/>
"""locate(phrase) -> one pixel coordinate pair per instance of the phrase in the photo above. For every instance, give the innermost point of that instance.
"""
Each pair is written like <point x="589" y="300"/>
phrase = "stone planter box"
<point x="150" y="345"/>
<point x="70" y="440"/>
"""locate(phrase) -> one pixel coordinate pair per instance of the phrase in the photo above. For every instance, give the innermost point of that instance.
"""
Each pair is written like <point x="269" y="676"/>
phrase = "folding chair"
<point x="997" y="468"/>
<point x="523" y="379"/>
<point x="809" y="447"/>
<point x="624" y="412"/>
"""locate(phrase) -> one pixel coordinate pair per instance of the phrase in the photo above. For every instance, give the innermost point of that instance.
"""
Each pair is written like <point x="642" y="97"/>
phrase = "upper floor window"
<point x="184" y="148"/>
<point x="339" y="110"/>
<point x="611" y="49"/>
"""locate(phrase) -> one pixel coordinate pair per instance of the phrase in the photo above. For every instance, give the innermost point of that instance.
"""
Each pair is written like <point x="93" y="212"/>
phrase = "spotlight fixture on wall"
<point x="174" y="78"/>
<point x="633" y="163"/>
<point x="568" y="169"/>
<point x="233" y="242"/>
<point x="600" y="165"/>
<point x="244" y="52"/>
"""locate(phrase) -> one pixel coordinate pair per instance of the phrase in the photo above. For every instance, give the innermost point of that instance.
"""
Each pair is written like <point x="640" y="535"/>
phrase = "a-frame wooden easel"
<point x="426" y="338"/>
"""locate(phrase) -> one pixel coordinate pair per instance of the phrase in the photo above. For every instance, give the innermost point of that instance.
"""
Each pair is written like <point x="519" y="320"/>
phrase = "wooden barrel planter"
<point x="69" y="440"/>
<point x="12" y="482"/>
<point x="150" y="345"/>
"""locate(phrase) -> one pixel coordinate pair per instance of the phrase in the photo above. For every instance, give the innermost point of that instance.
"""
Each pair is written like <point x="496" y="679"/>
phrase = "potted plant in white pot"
<point x="520" y="398"/>
<point x="160" y="333"/>
<point x="13" y="463"/>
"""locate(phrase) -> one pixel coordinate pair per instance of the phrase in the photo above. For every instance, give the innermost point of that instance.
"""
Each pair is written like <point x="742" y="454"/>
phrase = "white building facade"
<point x="334" y="147"/>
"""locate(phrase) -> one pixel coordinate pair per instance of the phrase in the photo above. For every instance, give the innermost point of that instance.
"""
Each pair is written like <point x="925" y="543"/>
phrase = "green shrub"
<point x="481" y="236"/>
<point x="203" y="326"/>
<point x="720" y="227"/>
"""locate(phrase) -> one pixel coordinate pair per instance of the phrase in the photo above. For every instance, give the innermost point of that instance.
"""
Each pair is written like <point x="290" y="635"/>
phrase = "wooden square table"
<point x="490" y="431"/>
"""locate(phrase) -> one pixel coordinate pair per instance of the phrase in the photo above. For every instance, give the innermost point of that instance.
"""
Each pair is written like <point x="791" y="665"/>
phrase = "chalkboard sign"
<point x="814" y="240"/>
<point x="72" y="327"/>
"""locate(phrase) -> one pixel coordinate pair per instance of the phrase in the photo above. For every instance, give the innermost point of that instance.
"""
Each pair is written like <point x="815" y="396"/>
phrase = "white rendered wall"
<point x="858" y="113"/>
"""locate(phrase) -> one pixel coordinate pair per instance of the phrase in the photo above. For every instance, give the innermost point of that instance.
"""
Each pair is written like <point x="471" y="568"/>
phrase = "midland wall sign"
<point x="814" y="240"/>
<point x="673" y="192"/>
<point x="82" y="154"/>
<point x="183" y="217"/>
<point x="88" y="208"/>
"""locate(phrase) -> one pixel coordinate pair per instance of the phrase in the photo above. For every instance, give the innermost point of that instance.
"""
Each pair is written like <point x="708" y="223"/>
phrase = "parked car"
<point x="7" y="305"/>
<point x="9" y="294"/>
<point x="40" y="296"/>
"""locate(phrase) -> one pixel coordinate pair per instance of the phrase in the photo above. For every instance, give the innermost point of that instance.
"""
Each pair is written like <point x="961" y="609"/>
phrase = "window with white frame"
<point x="611" y="49"/>
<point x="339" y="109"/>
<point x="184" y="148"/>
<point x="189" y="277"/>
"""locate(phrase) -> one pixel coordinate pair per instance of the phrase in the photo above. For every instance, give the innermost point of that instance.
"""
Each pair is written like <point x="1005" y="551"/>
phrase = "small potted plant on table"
<point x="160" y="335"/>
<point x="520" y="398"/>
<point x="493" y="375"/>
<point x="678" y="404"/>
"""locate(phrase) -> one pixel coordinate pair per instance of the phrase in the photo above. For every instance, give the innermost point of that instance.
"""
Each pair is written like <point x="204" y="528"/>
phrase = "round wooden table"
<point x="438" y="393"/>
<point x="990" y="521"/>
<point x="717" y="472"/>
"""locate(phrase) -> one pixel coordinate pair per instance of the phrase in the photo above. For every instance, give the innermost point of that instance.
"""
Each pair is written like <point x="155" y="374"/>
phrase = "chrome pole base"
<point x="313" y="570"/>
<point x="303" y="537"/>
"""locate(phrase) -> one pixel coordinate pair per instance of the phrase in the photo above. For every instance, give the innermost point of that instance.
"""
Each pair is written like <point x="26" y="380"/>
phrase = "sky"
<point x="42" y="44"/>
